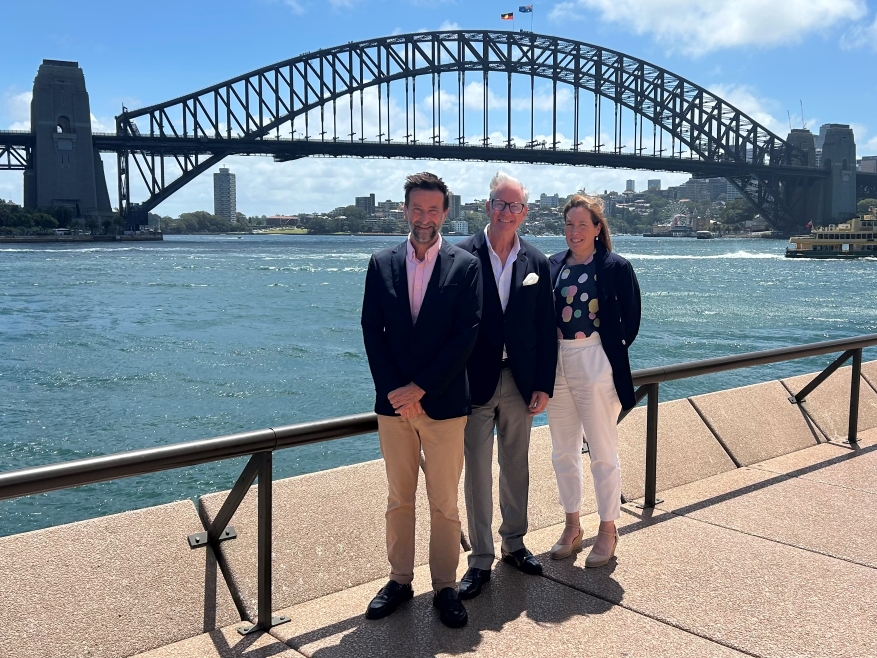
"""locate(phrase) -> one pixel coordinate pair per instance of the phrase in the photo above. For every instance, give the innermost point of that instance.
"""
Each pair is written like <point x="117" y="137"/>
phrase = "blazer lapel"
<point x="400" y="280"/>
<point x="519" y="272"/>
<point x="488" y="281"/>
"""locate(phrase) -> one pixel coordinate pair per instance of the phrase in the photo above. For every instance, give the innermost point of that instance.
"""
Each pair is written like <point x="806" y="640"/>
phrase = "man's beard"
<point x="424" y="234"/>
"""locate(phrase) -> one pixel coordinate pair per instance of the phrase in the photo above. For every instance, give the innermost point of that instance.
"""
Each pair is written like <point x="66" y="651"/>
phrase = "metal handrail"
<point x="261" y="444"/>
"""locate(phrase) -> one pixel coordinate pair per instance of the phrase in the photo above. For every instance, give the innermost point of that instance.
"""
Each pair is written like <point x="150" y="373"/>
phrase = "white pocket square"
<point x="530" y="279"/>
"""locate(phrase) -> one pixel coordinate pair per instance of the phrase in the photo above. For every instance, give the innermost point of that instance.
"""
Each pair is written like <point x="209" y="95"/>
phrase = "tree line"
<point x="15" y="220"/>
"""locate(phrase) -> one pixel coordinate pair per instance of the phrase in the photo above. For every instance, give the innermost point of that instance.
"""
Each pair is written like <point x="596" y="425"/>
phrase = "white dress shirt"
<point x="502" y="273"/>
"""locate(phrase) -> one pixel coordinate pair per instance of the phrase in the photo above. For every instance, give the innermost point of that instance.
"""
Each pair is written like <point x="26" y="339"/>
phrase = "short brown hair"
<point x="594" y="205"/>
<point x="427" y="181"/>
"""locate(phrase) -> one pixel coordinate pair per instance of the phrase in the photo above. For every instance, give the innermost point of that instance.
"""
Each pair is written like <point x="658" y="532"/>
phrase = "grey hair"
<point x="501" y="178"/>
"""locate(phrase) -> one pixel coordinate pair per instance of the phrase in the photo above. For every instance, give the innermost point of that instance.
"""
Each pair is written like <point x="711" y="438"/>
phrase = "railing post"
<point x="264" y="620"/>
<point x="855" y="382"/>
<point x="651" y="448"/>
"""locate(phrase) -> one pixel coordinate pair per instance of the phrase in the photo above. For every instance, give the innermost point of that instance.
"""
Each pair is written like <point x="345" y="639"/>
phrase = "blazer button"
<point x="624" y="342"/>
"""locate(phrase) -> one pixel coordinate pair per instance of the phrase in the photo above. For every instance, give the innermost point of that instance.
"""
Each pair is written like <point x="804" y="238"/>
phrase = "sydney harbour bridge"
<point x="450" y="95"/>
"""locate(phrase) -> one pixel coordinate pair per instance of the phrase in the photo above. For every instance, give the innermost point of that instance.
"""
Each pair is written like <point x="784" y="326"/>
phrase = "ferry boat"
<point x="855" y="239"/>
<point x="704" y="235"/>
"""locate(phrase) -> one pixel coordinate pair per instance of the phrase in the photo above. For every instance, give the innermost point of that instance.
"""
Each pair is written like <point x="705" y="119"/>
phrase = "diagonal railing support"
<point x="219" y="530"/>
<point x="855" y="385"/>
<point x="801" y="395"/>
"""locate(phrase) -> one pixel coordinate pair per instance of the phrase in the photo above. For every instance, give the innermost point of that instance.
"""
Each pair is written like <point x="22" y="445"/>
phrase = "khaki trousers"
<point x="442" y="443"/>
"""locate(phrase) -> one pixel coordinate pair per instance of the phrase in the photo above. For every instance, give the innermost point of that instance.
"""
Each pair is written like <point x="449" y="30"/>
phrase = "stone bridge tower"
<point x="67" y="170"/>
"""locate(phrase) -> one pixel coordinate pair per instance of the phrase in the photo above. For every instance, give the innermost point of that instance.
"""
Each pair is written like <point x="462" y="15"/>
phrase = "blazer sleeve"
<point x="452" y="357"/>
<point x="546" y="335"/>
<point x="630" y="302"/>
<point x="380" y="362"/>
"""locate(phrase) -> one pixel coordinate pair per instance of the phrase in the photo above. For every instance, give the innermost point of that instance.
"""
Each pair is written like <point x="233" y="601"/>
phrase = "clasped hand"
<point x="406" y="400"/>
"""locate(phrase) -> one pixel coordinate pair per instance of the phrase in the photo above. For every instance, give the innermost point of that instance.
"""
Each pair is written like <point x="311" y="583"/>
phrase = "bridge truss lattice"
<point x="468" y="95"/>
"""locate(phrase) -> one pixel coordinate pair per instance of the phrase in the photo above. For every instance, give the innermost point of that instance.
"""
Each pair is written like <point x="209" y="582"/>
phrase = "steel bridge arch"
<point x="239" y="115"/>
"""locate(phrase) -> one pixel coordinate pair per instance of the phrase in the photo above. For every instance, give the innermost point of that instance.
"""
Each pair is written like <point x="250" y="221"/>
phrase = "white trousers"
<point x="585" y="400"/>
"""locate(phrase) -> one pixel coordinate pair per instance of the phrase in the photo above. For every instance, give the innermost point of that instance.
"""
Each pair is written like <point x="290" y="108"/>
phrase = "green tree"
<point x="737" y="212"/>
<point x="477" y="221"/>
<point x="863" y="206"/>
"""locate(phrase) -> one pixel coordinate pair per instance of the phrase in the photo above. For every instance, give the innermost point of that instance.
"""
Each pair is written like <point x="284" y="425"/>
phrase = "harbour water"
<point x="115" y="347"/>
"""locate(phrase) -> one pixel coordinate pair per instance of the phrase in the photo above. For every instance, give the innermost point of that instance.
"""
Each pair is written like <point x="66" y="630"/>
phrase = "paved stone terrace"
<point x="763" y="545"/>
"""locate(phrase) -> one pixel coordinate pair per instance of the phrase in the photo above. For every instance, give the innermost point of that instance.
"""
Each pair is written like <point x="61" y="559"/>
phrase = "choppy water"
<point x="116" y="347"/>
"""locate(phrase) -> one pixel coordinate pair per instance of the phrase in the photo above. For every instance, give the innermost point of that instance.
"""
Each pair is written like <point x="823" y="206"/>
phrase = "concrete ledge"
<point x="828" y="406"/>
<point x="225" y="643"/>
<point x="756" y="422"/>
<point x="745" y="592"/>
<point x="109" y="587"/>
<point x="687" y="450"/>
<point x="797" y="511"/>
<point x="516" y="615"/>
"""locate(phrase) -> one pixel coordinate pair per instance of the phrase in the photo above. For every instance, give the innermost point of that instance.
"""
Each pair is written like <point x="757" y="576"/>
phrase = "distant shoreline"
<point x="35" y="239"/>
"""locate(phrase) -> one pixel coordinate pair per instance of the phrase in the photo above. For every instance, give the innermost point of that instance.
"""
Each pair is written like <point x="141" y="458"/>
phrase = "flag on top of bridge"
<point x="526" y="9"/>
<point x="507" y="17"/>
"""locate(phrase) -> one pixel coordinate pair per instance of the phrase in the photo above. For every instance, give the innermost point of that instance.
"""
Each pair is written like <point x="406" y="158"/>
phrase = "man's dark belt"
<point x="506" y="363"/>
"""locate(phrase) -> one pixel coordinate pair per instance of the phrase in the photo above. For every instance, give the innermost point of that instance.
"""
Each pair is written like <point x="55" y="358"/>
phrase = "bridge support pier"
<point x="67" y="170"/>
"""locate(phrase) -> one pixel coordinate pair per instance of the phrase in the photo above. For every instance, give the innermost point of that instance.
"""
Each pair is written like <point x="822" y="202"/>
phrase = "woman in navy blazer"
<point x="597" y="310"/>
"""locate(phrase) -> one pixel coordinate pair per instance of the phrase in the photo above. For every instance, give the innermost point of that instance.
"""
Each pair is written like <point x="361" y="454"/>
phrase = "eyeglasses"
<point x="514" y="208"/>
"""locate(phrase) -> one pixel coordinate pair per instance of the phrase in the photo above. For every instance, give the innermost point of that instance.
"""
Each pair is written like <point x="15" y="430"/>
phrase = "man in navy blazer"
<point x="420" y="316"/>
<point x="511" y="375"/>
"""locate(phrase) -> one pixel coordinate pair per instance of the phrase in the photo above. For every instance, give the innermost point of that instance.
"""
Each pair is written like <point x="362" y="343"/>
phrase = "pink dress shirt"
<point x="419" y="273"/>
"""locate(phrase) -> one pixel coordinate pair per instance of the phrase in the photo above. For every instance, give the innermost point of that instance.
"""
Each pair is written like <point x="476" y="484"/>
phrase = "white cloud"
<point x="18" y="109"/>
<point x="449" y="25"/>
<point x="295" y="6"/>
<point x="869" y="147"/>
<point x="695" y="27"/>
<point x="861" y="36"/>
<point x="342" y="4"/>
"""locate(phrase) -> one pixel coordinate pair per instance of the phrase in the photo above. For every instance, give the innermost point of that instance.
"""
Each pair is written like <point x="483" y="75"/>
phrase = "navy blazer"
<point x="527" y="327"/>
<point x="620" y="313"/>
<point x="432" y="353"/>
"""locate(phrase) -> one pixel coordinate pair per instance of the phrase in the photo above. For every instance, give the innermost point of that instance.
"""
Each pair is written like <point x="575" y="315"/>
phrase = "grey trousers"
<point x="508" y="412"/>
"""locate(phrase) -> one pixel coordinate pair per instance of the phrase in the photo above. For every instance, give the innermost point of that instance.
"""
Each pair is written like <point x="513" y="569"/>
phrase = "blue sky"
<point x="764" y="57"/>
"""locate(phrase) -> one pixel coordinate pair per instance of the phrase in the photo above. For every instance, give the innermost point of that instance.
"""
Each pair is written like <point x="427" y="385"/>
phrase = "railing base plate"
<point x="258" y="628"/>
<point x="199" y="539"/>
<point x="658" y="501"/>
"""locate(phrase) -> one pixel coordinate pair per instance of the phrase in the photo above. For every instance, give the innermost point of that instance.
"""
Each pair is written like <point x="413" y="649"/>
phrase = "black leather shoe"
<point x="451" y="611"/>
<point x="522" y="559"/>
<point x="470" y="584"/>
<point x="388" y="599"/>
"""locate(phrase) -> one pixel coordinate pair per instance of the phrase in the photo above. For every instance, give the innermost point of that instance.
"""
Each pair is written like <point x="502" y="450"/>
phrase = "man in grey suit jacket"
<point x="511" y="376"/>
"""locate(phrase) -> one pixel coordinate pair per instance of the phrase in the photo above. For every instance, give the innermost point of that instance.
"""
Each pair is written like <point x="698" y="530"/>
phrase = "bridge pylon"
<point x="66" y="169"/>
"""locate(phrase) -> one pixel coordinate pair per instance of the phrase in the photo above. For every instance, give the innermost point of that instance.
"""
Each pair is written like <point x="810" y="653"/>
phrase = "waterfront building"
<point x="225" y="195"/>
<point x="654" y="185"/>
<point x="460" y="226"/>
<point x="546" y="201"/>
<point x="367" y="203"/>
<point x="697" y="190"/>
<point x="630" y="185"/>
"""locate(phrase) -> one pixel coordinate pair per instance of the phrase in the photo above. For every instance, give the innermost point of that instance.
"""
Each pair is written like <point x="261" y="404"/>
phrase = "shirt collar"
<point x="431" y="253"/>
